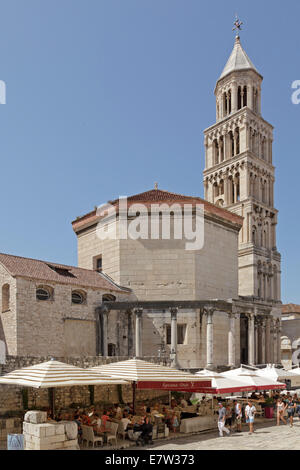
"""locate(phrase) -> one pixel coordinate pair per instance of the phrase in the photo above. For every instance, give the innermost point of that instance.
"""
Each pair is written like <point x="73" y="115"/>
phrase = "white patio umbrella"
<point x="251" y="378"/>
<point x="221" y="385"/>
<point x="147" y="375"/>
<point x="280" y="375"/>
<point x="53" y="374"/>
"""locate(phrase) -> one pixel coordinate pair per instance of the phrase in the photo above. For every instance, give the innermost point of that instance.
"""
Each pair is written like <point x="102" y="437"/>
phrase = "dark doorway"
<point x="244" y="339"/>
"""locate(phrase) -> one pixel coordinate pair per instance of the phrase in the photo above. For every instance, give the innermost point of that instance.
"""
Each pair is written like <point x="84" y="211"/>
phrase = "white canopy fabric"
<point x="295" y="371"/>
<point x="208" y="373"/>
<point x="251" y="378"/>
<point x="220" y="384"/>
<point x="136" y="370"/>
<point x="280" y="374"/>
<point x="56" y="374"/>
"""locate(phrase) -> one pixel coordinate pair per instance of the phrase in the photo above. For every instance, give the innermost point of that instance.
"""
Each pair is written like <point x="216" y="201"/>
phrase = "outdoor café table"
<point x="201" y="423"/>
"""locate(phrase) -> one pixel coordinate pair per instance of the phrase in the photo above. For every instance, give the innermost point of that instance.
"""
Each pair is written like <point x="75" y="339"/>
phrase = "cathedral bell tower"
<point x="239" y="174"/>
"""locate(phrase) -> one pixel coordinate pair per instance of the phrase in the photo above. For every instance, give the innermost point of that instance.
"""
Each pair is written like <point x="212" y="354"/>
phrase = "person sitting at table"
<point x="183" y="403"/>
<point x="117" y="411"/>
<point x="104" y="419"/>
<point x="78" y="420"/>
<point x="85" y="418"/>
<point x="136" y="431"/>
<point x="125" y="421"/>
<point x="146" y="429"/>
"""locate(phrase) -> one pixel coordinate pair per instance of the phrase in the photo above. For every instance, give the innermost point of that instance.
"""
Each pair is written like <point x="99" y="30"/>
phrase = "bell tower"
<point x="239" y="174"/>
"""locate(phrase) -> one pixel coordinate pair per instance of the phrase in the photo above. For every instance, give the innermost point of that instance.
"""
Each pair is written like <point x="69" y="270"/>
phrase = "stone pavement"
<point x="267" y="436"/>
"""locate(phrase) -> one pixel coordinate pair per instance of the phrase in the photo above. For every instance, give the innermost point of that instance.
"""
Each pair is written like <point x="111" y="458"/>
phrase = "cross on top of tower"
<point x="237" y="26"/>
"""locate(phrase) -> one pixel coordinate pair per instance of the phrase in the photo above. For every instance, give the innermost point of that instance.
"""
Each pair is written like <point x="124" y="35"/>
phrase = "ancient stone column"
<point x="104" y="332"/>
<point x="278" y="341"/>
<point x="268" y="340"/>
<point x="256" y="339"/>
<point x="275" y="359"/>
<point x="138" y="332"/>
<point x="173" y="354"/>
<point x="231" y="341"/>
<point x="209" y="338"/>
<point x="251" y="350"/>
<point x="263" y="341"/>
<point x="250" y="96"/>
<point x="234" y="97"/>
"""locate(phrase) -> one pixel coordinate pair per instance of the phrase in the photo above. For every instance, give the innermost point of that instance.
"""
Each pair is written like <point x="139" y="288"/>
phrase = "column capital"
<point x="104" y="309"/>
<point x="174" y="311"/>
<point x="209" y="311"/>
<point x="138" y="312"/>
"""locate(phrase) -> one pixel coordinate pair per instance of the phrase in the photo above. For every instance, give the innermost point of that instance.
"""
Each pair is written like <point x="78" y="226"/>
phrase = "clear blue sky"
<point x="105" y="97"/>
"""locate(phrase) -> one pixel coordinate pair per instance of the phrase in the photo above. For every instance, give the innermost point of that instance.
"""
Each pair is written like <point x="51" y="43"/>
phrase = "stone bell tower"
<point x="239" y="174"/>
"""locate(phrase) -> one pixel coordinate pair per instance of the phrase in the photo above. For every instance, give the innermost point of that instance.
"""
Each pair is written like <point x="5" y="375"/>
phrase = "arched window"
<point x="245" y="96"/>
<point x="44" y="293"/>
<point x="108" y="298"/>
<point x="5" y="297"/>
<point x="239" y="97"/>
<point x="78" y="297"/>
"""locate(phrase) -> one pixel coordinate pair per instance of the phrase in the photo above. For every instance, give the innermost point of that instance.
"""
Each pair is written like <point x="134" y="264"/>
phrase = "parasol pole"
<point x="52" y="401"/>
<point x="133" y="396"/>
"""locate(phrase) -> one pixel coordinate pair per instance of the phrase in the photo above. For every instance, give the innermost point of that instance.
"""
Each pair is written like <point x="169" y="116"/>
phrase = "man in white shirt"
<point x="250" y="414"/>
<point x="221" y="420"/>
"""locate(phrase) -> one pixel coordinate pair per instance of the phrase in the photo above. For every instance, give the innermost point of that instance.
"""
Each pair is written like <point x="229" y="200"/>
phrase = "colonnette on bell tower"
<point x="239" y="174"/>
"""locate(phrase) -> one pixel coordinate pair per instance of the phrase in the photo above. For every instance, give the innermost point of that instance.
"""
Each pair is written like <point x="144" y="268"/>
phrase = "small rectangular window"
<point x="98" y="264"/>
<point x="181" y="334"/>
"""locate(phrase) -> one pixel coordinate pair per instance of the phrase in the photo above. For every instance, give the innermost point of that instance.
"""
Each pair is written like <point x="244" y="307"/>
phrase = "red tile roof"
<point x="159" y="196"/>
<point x="59" y="273"/>
<point x="291" y="308"/>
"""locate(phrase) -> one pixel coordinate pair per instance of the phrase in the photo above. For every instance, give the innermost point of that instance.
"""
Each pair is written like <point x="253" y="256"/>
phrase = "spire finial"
<point x="237" y="27"/>
<point x="156" y="186"/>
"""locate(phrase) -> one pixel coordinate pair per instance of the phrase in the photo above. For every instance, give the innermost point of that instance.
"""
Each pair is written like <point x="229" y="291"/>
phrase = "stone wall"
<point x="57" y="326"/>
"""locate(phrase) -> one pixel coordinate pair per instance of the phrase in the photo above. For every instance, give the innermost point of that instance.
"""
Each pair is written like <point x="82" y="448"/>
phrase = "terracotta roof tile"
<point x="159" y="196"/>
<point x="291" y="308"/>
<point x="60" y="273"/>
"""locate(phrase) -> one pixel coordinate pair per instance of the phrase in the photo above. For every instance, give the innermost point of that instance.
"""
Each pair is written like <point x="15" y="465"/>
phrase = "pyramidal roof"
<point x="238" y="60"/>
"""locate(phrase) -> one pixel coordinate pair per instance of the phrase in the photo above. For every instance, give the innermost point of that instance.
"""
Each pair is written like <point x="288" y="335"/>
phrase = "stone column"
<point x="104" y="333"/>
<point x="256" y="339"/>
<point x="234" y="97"/>
<point x="275" y="358"/>
<point x="278" y="342"/>
<point x="251" y="350"/>
<point x="268" y="340"/>
<point x="130" y="341"/>
<point x="173" y="354"/>
<point x="138" y="332"/>
<point x="209" y="338"/>
<point x="259" y="341"/>
<point x="263" y="341"/>
<point x="250" y="96"/>
<point x="231" y="341"/>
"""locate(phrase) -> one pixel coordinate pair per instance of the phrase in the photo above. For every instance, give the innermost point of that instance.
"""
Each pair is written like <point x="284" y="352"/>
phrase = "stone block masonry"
<point x="40" y="435"/>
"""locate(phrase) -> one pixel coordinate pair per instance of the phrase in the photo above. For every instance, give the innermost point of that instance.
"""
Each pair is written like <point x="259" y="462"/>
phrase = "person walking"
<point x="229" y="416"/>
<point x="281" y="407"/>
<point x="291" y="407"/>
<point x="250" y="415"/>
<point x="221" y="420"/>
<point x="238" y="416"/>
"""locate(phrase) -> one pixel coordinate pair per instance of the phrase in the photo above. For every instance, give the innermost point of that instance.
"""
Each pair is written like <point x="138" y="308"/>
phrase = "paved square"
<point x="266" y="437"/>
